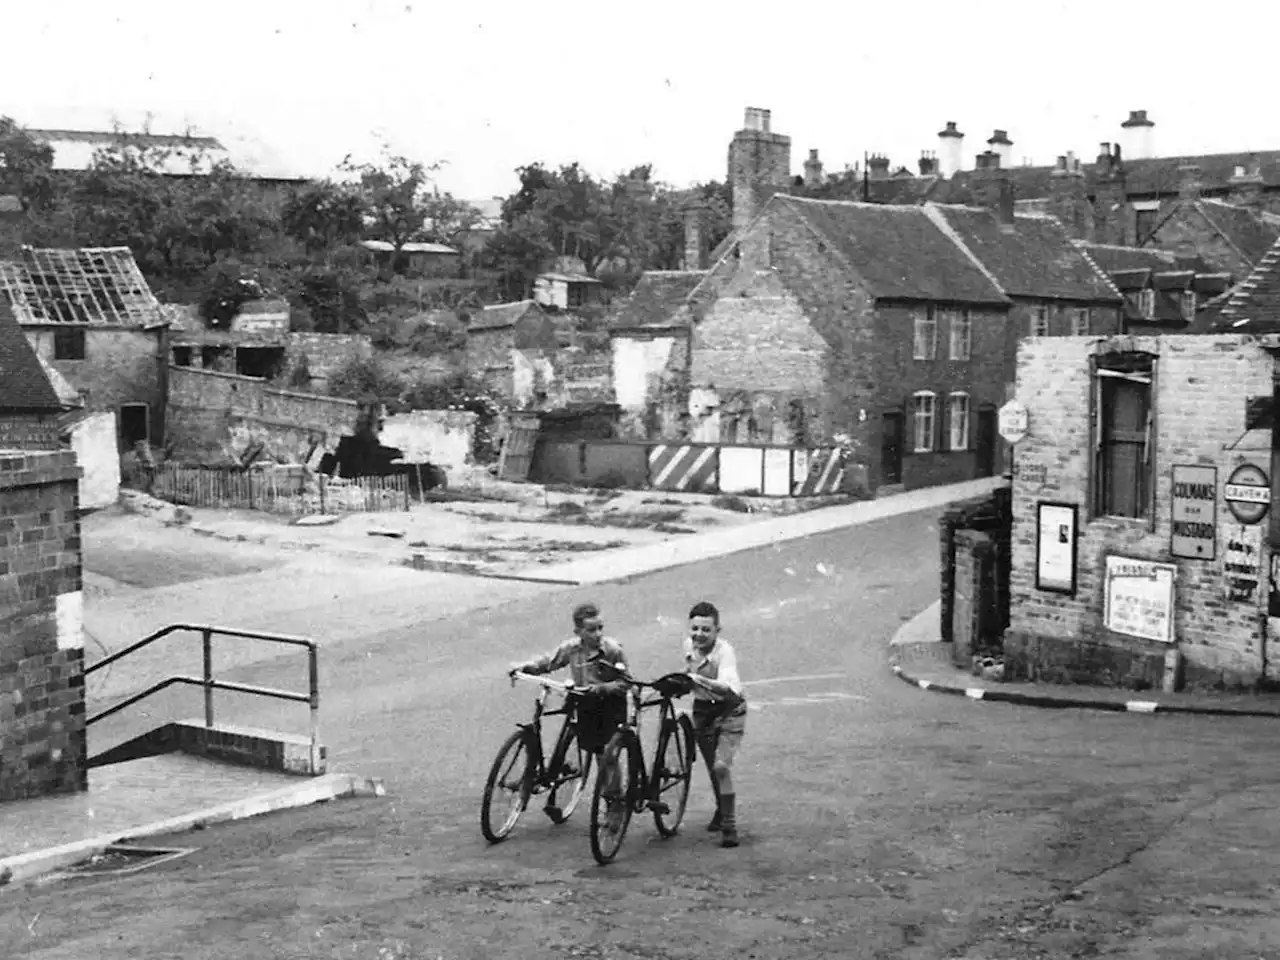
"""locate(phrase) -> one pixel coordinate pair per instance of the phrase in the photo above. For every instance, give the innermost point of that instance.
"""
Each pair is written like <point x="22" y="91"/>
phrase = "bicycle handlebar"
<point x="544" y="681"/>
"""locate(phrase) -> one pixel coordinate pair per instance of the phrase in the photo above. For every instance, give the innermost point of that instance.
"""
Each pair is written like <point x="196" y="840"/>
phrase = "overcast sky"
<point x="493" y="85"/>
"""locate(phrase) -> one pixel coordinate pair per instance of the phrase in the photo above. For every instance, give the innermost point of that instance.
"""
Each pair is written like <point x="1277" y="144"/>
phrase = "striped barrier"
<point x="816" y="472"/>
<point x="690" y="467"/>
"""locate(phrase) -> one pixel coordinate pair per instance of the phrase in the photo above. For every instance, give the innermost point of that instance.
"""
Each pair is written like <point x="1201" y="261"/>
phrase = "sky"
<point x="487" y="87"/>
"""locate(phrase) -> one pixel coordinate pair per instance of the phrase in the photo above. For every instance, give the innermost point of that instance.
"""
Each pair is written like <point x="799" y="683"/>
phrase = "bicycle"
<point x="662" y="787"/>
<point x="520" y="770"/>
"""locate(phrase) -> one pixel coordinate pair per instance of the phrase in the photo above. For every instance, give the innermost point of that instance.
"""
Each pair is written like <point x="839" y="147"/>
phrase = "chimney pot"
<point x="813" y="154"/>
<point x="950" y="150"/>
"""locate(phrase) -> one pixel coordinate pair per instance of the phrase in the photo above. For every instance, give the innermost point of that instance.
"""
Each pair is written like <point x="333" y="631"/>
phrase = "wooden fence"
<point x="279" y="491"/>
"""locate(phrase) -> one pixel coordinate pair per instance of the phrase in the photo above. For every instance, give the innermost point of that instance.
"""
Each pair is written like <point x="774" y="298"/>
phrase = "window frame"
<point x="965" y="436"/>
<point x="1187" y="304"/>
<point x="926" y="322"/>
<point x="1085" y="313"/>
<point x="1039" y="315"/>
<point x="1122" y="367"/>
<point x="930" y="435"/>
<point x="79" y="338"/>
<point x="1147" y="303"/>
<point x="959" y="320"/>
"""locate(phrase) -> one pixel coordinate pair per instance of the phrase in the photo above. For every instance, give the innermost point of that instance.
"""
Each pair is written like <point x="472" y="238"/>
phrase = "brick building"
<point x="90" y="314"/>
<point x="42" y="702"/>
<point x="30" y="408"/>
<point x="1158" y="452"/>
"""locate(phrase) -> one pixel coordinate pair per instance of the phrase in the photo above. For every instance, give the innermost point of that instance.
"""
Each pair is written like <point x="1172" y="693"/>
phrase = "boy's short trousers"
<point x="718" y="734"/>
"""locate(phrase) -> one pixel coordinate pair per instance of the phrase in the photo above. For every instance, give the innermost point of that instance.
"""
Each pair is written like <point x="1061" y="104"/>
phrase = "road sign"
<point x="1012" y="421"/>
<point x="1248" y="493"/>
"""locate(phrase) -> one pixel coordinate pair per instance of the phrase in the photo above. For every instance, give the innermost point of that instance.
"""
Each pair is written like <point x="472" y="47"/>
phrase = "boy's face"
<point x="703" y="632"/>
<point x="590" y="631"/>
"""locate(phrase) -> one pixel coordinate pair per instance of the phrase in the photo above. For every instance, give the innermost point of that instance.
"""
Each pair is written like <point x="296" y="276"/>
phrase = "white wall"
<point x="94" y="441"/>
<point x="440" y="437"/>
<point x="637" y="365"/>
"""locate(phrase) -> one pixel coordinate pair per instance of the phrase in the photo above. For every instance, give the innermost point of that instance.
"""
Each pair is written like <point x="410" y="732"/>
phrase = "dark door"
<point x="135" y="424"/>
<point x="984" y="443"/>
<point x="891" y="449"/>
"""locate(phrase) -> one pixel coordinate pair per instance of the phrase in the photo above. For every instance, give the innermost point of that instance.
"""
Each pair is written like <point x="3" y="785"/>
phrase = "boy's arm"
<point x="554" y="660"/>
<point x="727" y="682"/>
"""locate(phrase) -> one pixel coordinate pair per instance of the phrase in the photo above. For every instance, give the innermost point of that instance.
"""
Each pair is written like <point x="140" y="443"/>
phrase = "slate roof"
<point x="1114" y="259"/>
<point x="656" y="298"/>
<point x="1036" y="258"/>
<point x="499" y="316"/>
<point x="899" y="252"/>
<point x="1157" y="175"/>
<point x="1249" y="232"/>
<point x="23" y="384"/>
<point x="93" y="285"/>
<point x="1256" y="301"/>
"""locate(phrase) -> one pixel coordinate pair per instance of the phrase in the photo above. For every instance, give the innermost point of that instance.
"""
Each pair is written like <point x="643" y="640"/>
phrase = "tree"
<point x="27" y="167"/>
<point x="324" y="215"/>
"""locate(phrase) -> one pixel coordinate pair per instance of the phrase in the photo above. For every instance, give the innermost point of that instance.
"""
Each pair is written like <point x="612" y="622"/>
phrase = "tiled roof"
<point x="657" y="297"/>
<point x="1158" y="175"/>
<point x="501" y="315"/>
<point x="897" y="251"/>
<point x="1113" y="259"/>
<point x="1036" y="258"/>
<point x="1256" y="301"/>
<point x="23" y="384"/>
<point x="1249" y="232"/>
<point x="98" y="285"/>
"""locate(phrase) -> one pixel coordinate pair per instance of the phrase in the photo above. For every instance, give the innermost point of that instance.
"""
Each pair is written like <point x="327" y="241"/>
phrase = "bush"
<point x="362" y="378"/>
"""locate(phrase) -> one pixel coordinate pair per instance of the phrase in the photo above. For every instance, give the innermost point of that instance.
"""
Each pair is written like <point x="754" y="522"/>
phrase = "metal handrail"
<point x="207" y="633"/>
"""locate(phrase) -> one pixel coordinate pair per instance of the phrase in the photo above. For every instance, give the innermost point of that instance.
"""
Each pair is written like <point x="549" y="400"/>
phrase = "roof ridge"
<point x="1106" y="277"/>
<point x="848" y="203"/>
<point x="1242" y="290"/>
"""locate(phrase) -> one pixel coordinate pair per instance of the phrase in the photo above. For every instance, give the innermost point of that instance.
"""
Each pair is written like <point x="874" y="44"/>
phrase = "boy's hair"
<point x="705" y="608"/>
<point x="584" y="612"/>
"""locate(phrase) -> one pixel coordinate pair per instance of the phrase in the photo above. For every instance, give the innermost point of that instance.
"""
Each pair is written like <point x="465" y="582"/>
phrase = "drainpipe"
<point x="1262" y="642"/>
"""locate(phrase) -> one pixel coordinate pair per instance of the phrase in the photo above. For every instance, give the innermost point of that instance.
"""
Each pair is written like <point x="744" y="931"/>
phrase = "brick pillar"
<point x="972" y="605"/>
<point x="42" y="702"/>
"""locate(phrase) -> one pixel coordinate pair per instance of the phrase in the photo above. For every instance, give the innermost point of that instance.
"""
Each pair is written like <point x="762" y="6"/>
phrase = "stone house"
<point x="253" y="343"/>
<point x="414" y="259"/>
<point x="1140" y="498"/>
<point x="507" y="342"/>
<point x="567" y="286"/>
<point x="90" y="314"/>
<point x="882" y="327"/>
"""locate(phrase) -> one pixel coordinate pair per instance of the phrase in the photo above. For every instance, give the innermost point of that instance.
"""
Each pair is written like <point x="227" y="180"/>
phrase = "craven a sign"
<point x="1195" y="502"/>
<point x="1139" y="598"/>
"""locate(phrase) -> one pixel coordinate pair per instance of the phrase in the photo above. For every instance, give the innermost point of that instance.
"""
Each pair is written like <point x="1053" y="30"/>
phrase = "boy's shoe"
<point x="554" y="812"/>
<point x="729" y="838"/>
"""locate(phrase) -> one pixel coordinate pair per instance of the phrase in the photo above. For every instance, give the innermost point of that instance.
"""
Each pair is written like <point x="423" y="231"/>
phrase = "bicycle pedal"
<point x="552" y="811"/>
<point x="657" y="806"/>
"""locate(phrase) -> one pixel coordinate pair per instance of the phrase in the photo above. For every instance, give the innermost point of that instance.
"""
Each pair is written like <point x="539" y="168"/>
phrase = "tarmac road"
<point x="879" y="820"/>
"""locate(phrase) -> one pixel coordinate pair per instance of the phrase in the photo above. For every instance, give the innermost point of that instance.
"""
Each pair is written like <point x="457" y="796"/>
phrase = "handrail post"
<point x="207" y="644"/>
<point x="314" y="682"/>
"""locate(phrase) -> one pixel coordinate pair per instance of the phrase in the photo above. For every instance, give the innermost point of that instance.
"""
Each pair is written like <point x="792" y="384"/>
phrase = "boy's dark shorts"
<point x="598" y="718"/>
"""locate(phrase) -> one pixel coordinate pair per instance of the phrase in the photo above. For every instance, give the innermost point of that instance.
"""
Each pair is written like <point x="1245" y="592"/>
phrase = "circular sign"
<point x="1248" y="493"/>
<point x="1012" y="421"/>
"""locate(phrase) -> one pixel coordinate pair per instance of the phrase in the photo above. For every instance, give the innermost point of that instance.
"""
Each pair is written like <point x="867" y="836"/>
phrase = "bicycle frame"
<point x="649" y="778"/>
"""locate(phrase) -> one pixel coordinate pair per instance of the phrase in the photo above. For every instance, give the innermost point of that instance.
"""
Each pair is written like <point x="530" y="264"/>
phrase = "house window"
<point x="1123" y="436"/>
<point x="1040" y="321"/>
<point x="1144" y="224"/>
<point x="958" y="420"/>
<point x="1188" y="305"/>
<point x="1081" y="322"/>
<point x="925" y="420"/>
<point x="960" y="334"/>
<point x="68" y="343"/>
<point x="1147" y="304"/>
<point x="926" y="336"/>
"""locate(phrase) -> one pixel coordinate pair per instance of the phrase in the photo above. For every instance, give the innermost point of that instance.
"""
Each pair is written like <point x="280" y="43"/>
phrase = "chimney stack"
<point x="878" y="166"/>
<point x="950" y="150"/>
<point x="1246" y="184"/>
<point x="813" y="170"/>
<point x="757" y="119"/>
<point x="1138" y="136"/>
<point x="695" y="250"/>
<point x="1000" y="144"/>
<point x="759" y="166"/>
<point x="1004" y="205"/>
<point x="987" y="160"/>
<point x="928" y="164"/>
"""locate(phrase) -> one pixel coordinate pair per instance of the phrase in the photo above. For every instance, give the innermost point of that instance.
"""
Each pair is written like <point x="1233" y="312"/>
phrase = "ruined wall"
<point x="1202" y="384"/>
<point x="42" y="702"/>
<point x="444" y="438"/>
<point x="215" y="417"/>
<point x="325" y="352"/>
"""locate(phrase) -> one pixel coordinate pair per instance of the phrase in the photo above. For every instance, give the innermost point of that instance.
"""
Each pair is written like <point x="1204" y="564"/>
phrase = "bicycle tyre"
<point x="680" y="733"/>
<point x="577" y="785"/>
<point x="509" y="753"/>
<point x="611" y="817"/>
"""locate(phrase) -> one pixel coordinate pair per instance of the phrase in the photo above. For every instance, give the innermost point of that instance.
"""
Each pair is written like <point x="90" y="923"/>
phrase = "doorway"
<point x="984" y="443"/>
<point x="891" y="448"/>
<point x="135" y="424"/>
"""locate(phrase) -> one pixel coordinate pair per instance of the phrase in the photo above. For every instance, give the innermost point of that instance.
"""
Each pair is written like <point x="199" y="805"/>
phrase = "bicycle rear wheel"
<point x="506" y="792"/>
<point x="568" y="786"/>
<point x="673" y="764"/>
<point x="611" y="799"/>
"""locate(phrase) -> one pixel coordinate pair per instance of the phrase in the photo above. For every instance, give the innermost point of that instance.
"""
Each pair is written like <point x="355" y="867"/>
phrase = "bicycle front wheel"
<point x="611" y="800"/>
<point x="673" y="764"/>
<point x="506" y="792"/>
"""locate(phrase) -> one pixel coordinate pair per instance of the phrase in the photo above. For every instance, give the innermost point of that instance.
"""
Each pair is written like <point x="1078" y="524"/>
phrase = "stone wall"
<point x="324" y="353"/>
<point x="215" y="417"/>
<point x="1201" y="388"/>
<point x="444" y="438"/>
<point x="42" y="702"/>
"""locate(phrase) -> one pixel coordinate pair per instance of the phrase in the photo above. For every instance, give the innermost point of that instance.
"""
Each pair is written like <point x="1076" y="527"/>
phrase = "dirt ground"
<point x="487" y="525"/>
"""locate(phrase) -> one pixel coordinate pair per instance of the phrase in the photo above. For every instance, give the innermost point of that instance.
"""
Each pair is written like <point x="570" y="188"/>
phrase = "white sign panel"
<point x="1056" y="548"/>
<point x="1139" y="598"/>
<point x="1242" y="564"/>
<point x="1012" y="421"/>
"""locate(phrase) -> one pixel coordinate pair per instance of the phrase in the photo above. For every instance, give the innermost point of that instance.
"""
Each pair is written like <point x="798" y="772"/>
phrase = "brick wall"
<point x="1201" y="387"/>
<point x="42" y="731"/>
<point x="214" y="417"/>
<point x="29" y="431"/>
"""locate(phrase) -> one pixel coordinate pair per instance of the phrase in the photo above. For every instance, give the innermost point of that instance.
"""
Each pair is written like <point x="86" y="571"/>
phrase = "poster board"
<point x="1139" y="598"/>
<point x="1056" y="547"/>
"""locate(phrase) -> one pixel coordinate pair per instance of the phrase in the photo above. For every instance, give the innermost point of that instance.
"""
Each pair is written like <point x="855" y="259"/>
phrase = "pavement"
<point x="920" y="657"/>
<point x="161" y="794"/>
